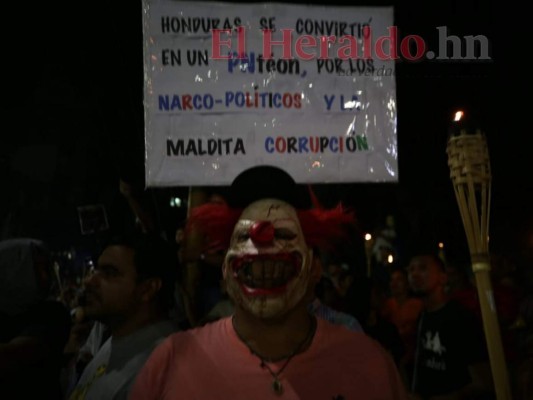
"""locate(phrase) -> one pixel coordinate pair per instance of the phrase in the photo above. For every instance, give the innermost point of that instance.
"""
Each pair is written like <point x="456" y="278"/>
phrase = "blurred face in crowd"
<point x="268" y="268"/>
<point x="111" y="290"/>
<point x="399" y="285"/>
<point x="180" y="235"/>
<point x="425" y="275"/>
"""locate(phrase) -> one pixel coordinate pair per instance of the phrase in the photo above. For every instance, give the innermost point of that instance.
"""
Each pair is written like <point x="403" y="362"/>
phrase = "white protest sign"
<point x="216" y="103"/>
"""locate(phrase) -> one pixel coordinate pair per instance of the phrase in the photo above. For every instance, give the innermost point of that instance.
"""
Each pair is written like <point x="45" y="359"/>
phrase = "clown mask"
<point x="268" y="267"/>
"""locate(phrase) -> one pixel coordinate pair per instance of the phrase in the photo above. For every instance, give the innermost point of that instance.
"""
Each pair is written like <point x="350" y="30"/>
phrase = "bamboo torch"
<point x="468" y="159"/>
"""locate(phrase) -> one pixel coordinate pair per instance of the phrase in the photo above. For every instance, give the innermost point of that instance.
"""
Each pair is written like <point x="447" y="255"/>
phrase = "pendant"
<point x="277" y="386"/>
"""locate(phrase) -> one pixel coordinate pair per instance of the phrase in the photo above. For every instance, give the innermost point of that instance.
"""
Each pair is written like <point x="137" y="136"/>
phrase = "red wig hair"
<point x="322" y="228"/>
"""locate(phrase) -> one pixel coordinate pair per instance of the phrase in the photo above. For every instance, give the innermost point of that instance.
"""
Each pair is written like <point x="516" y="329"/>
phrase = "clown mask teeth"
<point x="267" y="273"/>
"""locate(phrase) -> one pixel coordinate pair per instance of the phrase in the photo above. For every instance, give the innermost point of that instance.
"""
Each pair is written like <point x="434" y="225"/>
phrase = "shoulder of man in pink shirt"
<point x="358" y="348"/>
<point x="151" y="382"/>
<point x="151" y="378"/>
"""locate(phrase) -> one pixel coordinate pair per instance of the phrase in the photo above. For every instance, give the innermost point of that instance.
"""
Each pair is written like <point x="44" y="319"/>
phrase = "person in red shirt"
<point x="403" y="310"/>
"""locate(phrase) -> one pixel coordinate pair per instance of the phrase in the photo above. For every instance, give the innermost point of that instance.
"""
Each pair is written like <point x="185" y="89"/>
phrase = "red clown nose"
<point x="262" y="232"/>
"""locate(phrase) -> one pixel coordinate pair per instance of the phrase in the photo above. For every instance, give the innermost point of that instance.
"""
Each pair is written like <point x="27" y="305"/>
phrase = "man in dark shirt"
<point x="450" y="358"/>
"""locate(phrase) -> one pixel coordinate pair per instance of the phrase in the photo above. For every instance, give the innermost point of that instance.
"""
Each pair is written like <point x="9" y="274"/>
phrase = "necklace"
<point x="276" y="383"/>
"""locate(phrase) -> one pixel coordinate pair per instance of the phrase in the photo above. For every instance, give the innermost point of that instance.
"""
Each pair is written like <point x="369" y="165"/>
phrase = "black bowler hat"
<point x="266" y="181"/>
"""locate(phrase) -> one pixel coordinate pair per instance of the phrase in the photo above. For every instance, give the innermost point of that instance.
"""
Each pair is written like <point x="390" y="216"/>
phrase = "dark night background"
<point x="73" y="125"/>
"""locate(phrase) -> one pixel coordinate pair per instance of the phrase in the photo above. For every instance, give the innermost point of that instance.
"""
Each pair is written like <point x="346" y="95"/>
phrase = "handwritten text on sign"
<point x="313" y="98"/>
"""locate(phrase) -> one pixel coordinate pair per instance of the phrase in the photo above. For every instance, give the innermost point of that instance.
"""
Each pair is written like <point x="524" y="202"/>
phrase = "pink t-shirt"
<point x="212" y="363"/>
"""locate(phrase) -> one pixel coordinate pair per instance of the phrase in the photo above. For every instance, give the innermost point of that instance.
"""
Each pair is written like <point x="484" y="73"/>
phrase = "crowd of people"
<point x="261" y="306"/>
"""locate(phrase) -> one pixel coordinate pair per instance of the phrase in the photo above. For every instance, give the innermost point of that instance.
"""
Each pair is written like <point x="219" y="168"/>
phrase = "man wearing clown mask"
<point x="268" y="267"/>
<point x="272" y="347"/>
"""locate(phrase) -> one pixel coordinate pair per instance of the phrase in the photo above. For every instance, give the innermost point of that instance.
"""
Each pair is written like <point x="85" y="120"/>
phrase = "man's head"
<point x="399" y="285"/>
<point x="134" y="274"/>
<point x="269" y="268"/>
<point x="427" y="274"/>
<point x="267" y="228"/>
